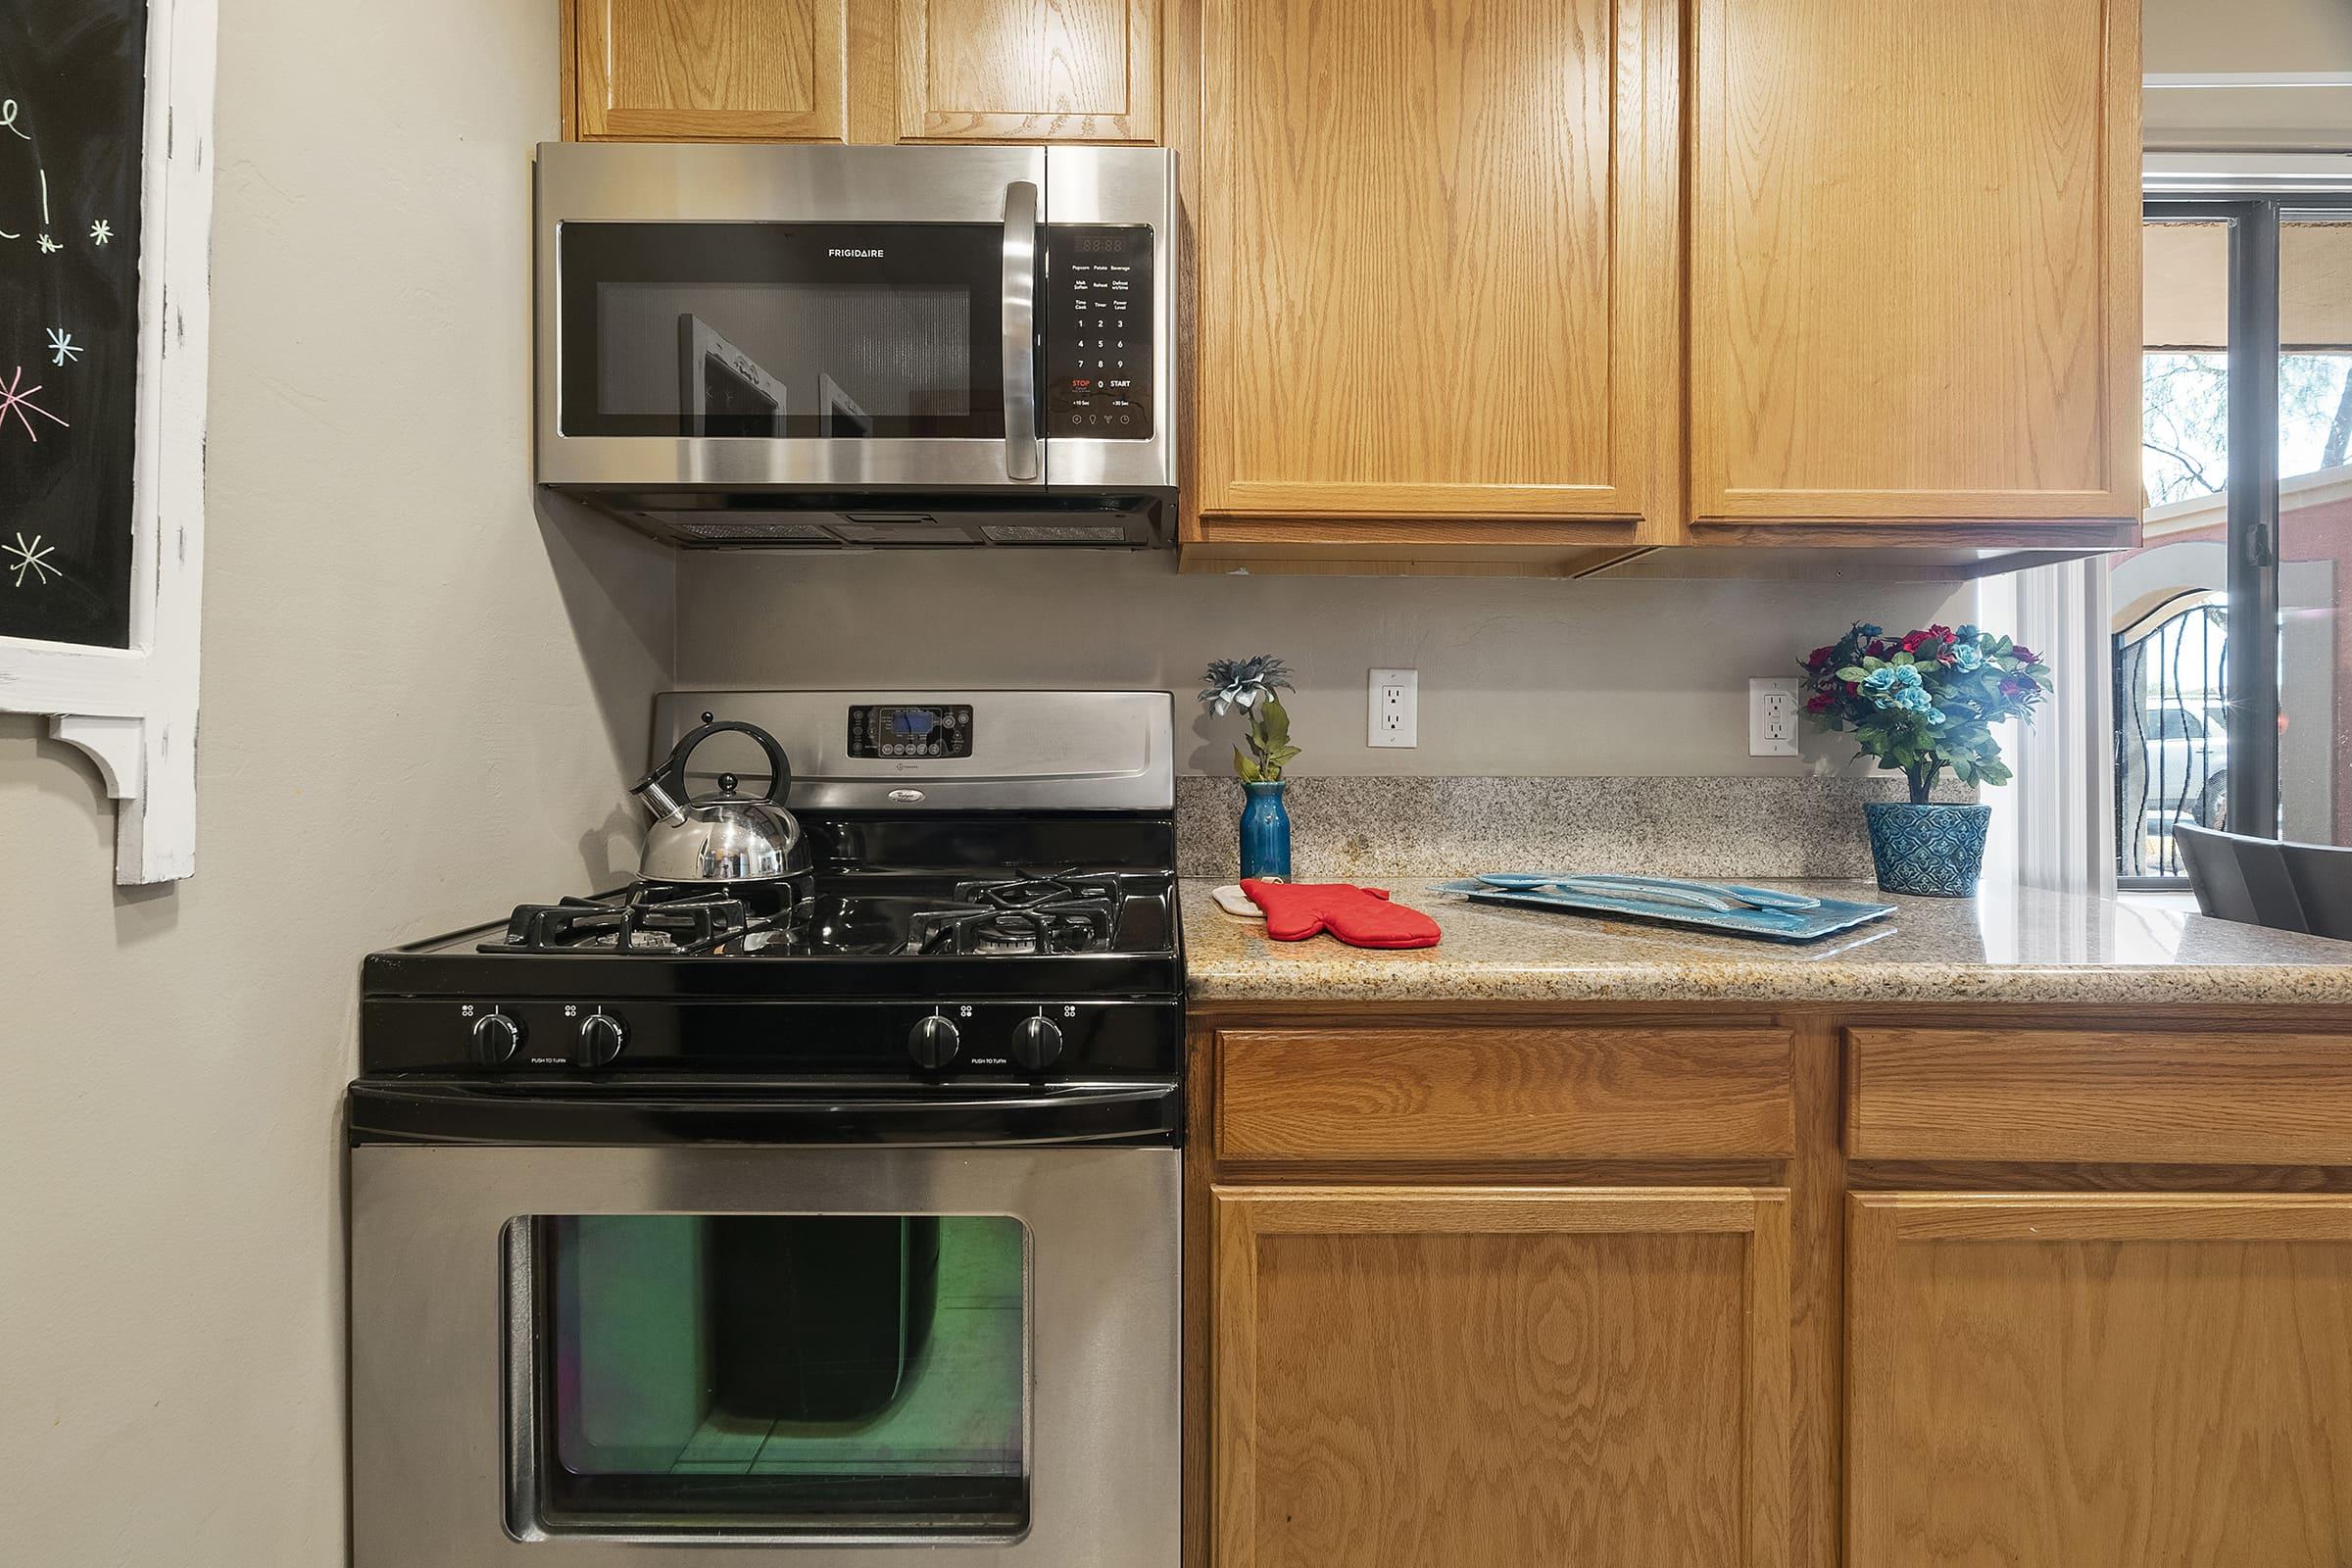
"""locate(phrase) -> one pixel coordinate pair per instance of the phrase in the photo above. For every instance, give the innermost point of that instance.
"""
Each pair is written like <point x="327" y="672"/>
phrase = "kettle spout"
<point x="666" y="806"/>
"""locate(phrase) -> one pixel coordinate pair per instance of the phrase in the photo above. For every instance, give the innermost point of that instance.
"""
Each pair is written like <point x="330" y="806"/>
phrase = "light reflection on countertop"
<point x="2017" y="946"/>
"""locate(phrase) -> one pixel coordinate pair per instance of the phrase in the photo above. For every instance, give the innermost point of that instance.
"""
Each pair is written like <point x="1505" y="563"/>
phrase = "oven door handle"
<point x="639" y="1117"/>
<point x="1020" y="331"/>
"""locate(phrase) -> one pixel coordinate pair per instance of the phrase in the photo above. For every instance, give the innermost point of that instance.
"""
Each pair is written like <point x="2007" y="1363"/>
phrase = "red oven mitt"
<point x="1361" y="917"/>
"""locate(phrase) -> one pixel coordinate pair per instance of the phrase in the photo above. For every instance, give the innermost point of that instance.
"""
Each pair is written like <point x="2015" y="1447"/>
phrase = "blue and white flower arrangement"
<point x="1246" y="686"/>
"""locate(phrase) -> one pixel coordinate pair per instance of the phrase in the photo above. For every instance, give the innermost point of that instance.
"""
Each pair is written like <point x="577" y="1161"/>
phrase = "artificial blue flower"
<point x="1866" y="630"/>
<point x="1906" y="677"/>
<point x="1969" y="634"/>
<point x="1878" y="680"/>
<point x="1912" y="700"/>
<point x="1967" y="656"/>
<point x="1243" y="683"/>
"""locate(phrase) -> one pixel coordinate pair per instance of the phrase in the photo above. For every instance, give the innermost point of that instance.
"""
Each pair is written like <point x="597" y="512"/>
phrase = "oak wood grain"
<point x="1029" y="71"/>
<point x="1914" y="259"/>
<point x="710" y="70"/>
<point x="2141" y="1096"/>
<point x="1503" y="1096"/>
<point x="2099" y="1381"/>
<point x="1509" y="1376"/>
<point x="1437" y="259"/>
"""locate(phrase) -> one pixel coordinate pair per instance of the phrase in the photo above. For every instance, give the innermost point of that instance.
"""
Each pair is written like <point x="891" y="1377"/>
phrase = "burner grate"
<point x="1062" y="912"/>
<point x="667" y="920"/>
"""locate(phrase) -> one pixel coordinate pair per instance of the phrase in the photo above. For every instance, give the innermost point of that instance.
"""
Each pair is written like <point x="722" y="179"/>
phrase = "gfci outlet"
<point x="1772" y="716"/>
<point x="1396" y="707"/>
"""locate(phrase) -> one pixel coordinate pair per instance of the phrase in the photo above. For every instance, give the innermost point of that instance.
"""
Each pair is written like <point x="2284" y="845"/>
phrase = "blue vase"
<point x="1265" y="832"/>
<point x="1937" y="849"/>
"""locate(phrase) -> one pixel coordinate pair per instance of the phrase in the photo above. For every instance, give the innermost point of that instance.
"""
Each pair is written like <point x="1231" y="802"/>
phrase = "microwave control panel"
<point x="1099" y="329"/>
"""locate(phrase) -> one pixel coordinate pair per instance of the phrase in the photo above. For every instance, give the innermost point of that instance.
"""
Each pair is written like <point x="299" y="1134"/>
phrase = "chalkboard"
<point x="72" y="113"/>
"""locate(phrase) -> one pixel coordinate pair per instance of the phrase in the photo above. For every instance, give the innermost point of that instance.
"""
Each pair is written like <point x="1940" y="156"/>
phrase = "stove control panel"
<point x="910" y="730"/>
<point x="993" y="1038"/>
<point x="1099" y="331"/>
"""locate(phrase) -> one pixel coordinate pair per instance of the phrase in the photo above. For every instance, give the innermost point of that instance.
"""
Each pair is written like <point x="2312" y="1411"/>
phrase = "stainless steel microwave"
<point x="871" y="346"/>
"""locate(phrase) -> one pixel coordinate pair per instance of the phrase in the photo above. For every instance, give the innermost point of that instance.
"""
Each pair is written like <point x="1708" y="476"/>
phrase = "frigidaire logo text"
<point x="860" y="254"/>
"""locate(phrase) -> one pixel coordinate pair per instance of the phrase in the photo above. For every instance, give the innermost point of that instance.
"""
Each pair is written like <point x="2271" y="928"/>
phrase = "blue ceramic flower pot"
<point x="1265" y="832"/>
<point x="1936" y="850"/>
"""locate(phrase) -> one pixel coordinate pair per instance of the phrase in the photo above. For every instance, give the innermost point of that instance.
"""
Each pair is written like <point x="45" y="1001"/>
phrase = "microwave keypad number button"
<point x="1099" y="331"/>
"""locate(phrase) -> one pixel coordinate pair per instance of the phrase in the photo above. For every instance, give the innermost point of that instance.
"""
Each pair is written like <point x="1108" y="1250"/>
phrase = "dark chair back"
<point x="2287" y="887"/>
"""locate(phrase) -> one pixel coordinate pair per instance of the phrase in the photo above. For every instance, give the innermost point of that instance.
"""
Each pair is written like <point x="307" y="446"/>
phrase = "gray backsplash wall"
<point x="1519" y="678"/>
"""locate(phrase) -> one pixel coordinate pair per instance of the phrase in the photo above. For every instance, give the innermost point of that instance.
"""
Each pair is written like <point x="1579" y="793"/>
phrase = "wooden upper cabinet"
<point x="708" y="70"/>
<point x="1436" y="250"/>
<point x="1028" y="70"/>
<point x="1914" y="261"/>
<point x="2099" y="1381"/>
<point x="1417" y="1377"/>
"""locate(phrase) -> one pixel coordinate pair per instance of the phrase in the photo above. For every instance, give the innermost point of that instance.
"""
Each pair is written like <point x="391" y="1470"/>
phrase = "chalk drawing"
<point x="31" y="557"/>
<point x="50" y="247"/>
<point x="19" y="402"/>
<point x="44" y="174"/>
<point x="101" y="232"/>
<point x="63" y="350"/>
<point x="8" y="117"/>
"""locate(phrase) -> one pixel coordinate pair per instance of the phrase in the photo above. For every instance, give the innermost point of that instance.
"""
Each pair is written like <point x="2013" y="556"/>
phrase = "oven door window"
<point x="838" y="332"/>
<point x="847" y="1375"/>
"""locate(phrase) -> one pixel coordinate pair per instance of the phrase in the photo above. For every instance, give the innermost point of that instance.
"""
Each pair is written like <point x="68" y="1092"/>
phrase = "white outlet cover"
<point x="1773" y="716"/>
<point x="1393" y="716"/>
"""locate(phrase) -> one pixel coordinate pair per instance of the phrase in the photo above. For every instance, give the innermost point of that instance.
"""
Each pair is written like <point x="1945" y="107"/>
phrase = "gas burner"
<point x="664" y="918"/>
<point x="1062" y="912"/>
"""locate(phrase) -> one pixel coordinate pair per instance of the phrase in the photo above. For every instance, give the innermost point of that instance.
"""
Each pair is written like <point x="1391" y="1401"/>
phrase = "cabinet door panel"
<point x="1438" y="255"/>
<point x="1409" y="1377"/>
<point x="2099" y="1381"/>
<point x="1915" y="242"/>
<point x="710" y="70"/>
<point x="1028" y="70"/>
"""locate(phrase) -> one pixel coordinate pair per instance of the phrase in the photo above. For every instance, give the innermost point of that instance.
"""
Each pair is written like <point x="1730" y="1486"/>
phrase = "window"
<point x="2233" y="666"/>
<point x="773" y="1375"/>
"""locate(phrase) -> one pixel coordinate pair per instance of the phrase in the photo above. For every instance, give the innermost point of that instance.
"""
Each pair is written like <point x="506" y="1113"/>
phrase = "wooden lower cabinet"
<point x="2099" y="1381"/>
<point x="1436" y="1377"/>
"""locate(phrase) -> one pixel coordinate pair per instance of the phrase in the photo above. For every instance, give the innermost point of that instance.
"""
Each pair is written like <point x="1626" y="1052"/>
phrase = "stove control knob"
<point x="601" y="1038"/>
<point x="496" y="1038"/>
<point x="933" y="1043"/>
<point x="1036" y="1042"/>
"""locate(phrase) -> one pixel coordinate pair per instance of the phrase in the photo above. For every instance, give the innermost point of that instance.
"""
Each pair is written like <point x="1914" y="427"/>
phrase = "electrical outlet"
<point x="1772" y="718"/>
<point x="1396" y="707"/>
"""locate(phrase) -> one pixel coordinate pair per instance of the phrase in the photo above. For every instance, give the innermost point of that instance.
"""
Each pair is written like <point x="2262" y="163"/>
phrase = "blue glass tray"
<point x="1828" y="918"/>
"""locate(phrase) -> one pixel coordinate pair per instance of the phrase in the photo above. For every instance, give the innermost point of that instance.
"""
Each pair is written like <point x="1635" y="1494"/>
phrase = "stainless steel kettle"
<point x="726" y="837"/>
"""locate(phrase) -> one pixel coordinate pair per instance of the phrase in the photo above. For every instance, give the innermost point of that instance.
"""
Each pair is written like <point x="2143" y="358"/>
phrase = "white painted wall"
<point x="1518" y="676"/>
<point x="420" y="702"/>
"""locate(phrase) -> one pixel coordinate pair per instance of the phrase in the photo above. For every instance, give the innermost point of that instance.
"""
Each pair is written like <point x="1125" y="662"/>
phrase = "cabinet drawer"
<point x="1503" y="1096"/>
<point x="2204" y="1097"/>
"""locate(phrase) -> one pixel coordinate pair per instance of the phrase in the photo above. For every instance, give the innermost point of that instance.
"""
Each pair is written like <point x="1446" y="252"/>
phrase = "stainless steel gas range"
<point x="823" y="1222"/>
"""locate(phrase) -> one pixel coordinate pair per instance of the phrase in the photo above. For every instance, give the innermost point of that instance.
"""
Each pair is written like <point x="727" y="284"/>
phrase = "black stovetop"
<point x="985" y="922"/>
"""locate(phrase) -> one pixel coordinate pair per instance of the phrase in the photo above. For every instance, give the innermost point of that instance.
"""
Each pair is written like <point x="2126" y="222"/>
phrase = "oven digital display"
<point x="915" y="729"/>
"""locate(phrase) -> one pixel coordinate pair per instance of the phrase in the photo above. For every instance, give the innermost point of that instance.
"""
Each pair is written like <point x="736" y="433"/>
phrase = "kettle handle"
<point x="664" y="790"/>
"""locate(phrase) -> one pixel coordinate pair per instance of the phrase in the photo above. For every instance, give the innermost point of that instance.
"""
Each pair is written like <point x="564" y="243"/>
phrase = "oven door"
<point x="792" y="1352"/>
<point x="810" y="316"/>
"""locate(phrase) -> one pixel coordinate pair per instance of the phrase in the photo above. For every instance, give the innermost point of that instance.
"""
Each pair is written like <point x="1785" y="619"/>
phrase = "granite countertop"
<point x="2020" y="948"/>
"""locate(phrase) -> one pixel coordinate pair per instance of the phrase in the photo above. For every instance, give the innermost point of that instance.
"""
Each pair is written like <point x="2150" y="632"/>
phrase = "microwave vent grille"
<point x="753" y="532"/>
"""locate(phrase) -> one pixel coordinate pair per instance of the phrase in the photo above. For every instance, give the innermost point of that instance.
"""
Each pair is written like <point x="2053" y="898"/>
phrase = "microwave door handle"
<point x="1020" y="331"/>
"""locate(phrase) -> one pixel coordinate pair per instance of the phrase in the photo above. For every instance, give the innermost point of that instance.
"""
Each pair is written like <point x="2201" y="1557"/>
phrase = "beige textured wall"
<point x="1518" y="676"/>
<point x="2240" y="38"/>
<point x="417" y="699"/>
